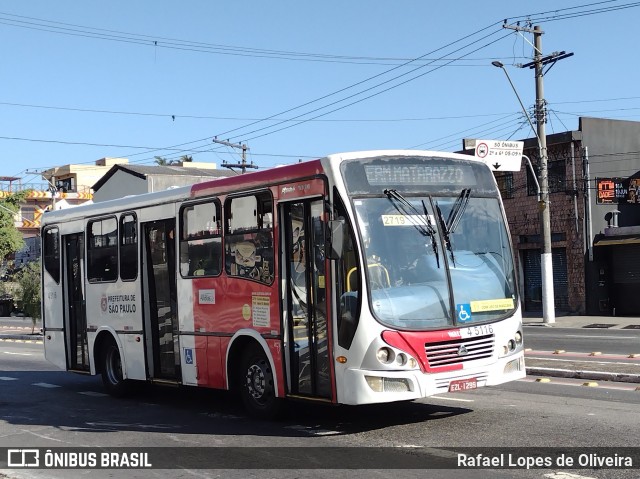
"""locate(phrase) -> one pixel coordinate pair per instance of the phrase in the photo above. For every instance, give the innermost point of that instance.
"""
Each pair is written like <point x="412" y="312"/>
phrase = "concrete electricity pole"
<point x="546" y="262"/>
<point x="548" y="303"/>
<point x="242" y="165"/>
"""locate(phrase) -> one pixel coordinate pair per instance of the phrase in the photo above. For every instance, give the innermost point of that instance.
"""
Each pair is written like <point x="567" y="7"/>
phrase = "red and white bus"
<point x="358" y="278"/>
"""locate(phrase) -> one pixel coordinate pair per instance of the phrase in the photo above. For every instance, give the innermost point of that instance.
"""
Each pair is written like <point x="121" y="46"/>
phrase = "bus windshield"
<point x="427" y="255"/>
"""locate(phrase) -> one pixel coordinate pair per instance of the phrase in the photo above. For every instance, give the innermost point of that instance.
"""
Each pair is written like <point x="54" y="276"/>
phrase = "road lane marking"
<point x="314" y="432"/>
<point x="588" y="336"/>
<point x="138" y="425"/>
<point x="579" y="382"/>
<point x="46" y="385"/>
<point x="453" y="399"/>
<point x="588" y="361"/>
<point x="566" y="475"/>
<point x="17" y="354"/>
<point x="7" y="378"/>
<point x="93" y="393"/>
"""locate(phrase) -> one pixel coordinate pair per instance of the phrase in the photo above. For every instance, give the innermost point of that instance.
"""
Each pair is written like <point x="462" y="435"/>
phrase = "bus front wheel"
<point x="112" y="377"/>
<point x="257" y="385"/>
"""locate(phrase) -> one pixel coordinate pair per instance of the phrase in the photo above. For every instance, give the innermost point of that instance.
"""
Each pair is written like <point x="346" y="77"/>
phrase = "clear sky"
<point x="83" y="80"/>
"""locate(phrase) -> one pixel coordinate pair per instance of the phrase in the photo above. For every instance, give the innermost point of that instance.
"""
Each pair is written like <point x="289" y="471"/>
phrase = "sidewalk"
<point x="606" y="367"/>
<point x="587" y="322"/>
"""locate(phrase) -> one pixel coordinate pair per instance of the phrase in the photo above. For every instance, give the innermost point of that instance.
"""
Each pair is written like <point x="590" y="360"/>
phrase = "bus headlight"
<point x="518" y="338"/>
<point x="401" y="359"/>
<point x="512" y="345"/>
<point x="385" y="355"/>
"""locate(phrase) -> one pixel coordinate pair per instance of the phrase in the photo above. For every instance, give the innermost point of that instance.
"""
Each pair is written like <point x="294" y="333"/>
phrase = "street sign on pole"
<point x="500" y="155"/>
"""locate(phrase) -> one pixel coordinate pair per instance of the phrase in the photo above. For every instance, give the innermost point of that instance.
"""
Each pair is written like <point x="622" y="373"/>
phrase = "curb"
<point x="21" y="337"/>
<point x="580" y="374"/>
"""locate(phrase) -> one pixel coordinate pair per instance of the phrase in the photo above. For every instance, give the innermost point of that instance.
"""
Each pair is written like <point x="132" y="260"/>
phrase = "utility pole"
<point x="242" y="165"/>
<point x="546" y="262"/>
<point x="548" y="303"/>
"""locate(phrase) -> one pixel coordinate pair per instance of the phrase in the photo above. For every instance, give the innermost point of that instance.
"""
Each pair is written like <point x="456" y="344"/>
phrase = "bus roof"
<point x="223" y="185"/>
<point x="373" y="153"/>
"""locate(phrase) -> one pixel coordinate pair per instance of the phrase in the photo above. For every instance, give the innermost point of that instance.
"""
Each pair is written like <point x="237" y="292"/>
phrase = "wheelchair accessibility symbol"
<point x="464" y="311"/>
<point x="188" y="356"/>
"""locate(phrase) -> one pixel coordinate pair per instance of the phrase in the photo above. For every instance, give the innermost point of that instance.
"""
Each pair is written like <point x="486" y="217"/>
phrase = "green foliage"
<point x="10" y="238"/>
<point x="29" y="290"/>
<point x="164" y="162"/>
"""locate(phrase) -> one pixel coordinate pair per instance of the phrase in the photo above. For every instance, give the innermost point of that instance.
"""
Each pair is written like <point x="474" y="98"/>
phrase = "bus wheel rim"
<point x="256" y="381"/>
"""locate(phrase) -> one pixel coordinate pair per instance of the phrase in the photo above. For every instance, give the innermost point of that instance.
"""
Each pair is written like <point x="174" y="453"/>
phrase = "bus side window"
<point x="128" y="247"/>
<point x="102" y="250"/>
<point x="347" y="284"/>
<point x="249" y="237"/>
<point x="51" y="248"/>
<point x="201" y="239"/>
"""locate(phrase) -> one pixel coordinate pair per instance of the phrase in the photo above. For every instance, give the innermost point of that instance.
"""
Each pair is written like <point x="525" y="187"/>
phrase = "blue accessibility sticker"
<point x="463" y="310"/>
<point x="188" y="355"/>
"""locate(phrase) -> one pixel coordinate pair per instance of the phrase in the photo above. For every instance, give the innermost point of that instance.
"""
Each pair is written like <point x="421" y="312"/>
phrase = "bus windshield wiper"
<point x="423" y="225"/>
<point x="445" y="233"/>
<point x="449" y="226"/>
<point x="458" y="210"/>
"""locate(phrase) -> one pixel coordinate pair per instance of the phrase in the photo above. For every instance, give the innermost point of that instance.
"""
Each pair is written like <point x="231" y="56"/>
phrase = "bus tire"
<point x="111" y="369"/>
<point x="257" y="385"/>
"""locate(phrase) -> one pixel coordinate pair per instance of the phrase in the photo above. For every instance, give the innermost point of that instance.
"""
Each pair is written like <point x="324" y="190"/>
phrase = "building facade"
<point x="595" y="218"/>
<point x="122" y="179"/>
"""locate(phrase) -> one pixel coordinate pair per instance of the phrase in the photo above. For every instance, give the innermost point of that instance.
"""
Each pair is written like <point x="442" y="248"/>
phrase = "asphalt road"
<point x="41" y="406"/>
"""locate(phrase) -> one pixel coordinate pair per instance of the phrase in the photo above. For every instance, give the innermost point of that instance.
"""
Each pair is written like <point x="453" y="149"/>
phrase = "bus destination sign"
<point x="408" y="174"/>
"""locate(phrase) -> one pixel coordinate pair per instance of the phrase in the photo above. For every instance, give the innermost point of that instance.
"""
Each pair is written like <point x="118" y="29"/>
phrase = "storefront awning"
<point x="617" y="241"/>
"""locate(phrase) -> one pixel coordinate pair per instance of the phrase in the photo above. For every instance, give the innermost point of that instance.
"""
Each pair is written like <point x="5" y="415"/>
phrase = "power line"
<point x="423" y="58"/>
<point x="50" y="26"/>
<point x="361" y="92"/>
<point x="350" y="104"/>
<point x="354" y="85"/>
<point x="204" y="117"/>
<point x="555" y="15"/>
<point x="460" y="133"/>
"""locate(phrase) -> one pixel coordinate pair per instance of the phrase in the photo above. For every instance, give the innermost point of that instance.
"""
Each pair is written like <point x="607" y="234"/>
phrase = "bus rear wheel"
<point x="257" y="385"/>
<point x="112" y="377"/>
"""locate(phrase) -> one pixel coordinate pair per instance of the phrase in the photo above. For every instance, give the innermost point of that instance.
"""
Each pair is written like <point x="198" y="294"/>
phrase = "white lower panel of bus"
<point x="54" y="348"/>
<point x="367" y="386"/>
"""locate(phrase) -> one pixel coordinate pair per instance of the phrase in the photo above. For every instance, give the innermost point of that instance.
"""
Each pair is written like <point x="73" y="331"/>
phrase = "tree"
<point x="164" y="162"/>
<point x="10" y="238"/>
<point x="29" y="291"/>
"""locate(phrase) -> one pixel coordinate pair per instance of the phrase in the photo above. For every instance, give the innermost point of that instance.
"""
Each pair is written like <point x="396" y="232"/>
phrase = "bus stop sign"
<point x="500" y="155"/>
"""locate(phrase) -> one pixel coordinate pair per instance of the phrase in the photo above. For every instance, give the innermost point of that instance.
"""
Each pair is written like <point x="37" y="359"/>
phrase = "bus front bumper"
<point x="368" y="387"/>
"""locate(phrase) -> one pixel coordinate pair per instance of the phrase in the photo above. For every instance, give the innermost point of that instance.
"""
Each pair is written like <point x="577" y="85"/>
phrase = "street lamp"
<point x="548" y="304"/>
<point x="498" y="64"/>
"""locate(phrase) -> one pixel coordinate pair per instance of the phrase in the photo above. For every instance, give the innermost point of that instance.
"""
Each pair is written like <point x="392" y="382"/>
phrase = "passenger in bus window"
<point x="245" y="259"/>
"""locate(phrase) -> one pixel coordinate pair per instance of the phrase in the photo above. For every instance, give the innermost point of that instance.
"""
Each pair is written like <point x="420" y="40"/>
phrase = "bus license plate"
<point x="463" y="385"/>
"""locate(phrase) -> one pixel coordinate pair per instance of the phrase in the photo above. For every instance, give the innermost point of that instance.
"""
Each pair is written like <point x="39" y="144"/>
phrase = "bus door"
<point x="75" y="314"/>
<point x="305" y="298"/>
<point x="160" y="299"/>
<point x="53" y="302"/>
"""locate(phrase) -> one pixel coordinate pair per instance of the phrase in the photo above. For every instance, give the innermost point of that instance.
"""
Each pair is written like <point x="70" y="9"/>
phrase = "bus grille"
<point x="455" y="351"/>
